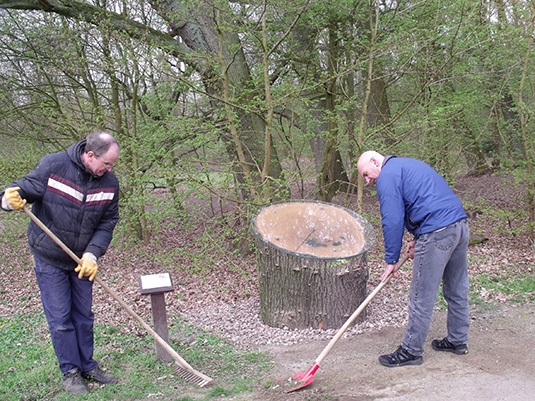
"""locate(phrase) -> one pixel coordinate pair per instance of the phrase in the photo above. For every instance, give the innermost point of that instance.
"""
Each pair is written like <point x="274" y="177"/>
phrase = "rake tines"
<point x="192" y="375"/>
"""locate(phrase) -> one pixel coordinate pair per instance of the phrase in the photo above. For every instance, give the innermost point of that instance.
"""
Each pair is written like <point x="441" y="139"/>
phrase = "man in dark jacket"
<point x="414" y="196"/>
<point x="75" y="194"/>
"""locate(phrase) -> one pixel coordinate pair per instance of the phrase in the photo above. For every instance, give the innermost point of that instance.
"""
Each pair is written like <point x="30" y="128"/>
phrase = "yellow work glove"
<point x="13" y="197"/>
<point x="89" y="266"/>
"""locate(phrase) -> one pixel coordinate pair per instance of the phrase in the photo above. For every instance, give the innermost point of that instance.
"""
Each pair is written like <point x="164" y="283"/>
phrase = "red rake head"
<point x="304" y="378"/>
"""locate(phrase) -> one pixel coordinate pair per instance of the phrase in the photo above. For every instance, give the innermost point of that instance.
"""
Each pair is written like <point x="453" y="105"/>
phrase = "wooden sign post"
<point x="157" y="285"/>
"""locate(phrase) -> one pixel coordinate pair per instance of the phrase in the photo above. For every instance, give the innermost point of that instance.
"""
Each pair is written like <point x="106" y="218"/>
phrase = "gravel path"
<point x="240" y="322"/>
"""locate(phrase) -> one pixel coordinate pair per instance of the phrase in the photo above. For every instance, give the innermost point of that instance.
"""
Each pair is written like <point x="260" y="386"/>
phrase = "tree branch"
<point x="100" y="17"/>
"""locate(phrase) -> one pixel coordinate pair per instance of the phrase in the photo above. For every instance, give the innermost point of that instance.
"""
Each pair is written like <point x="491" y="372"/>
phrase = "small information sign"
<point x="155" y="283"/>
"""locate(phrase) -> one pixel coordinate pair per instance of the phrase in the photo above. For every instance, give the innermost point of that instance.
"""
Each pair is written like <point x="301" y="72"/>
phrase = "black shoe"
<point x="73" y="382"/>
<point x="401" y="357"/>
<point x="446" y="345"/>
<point x="99" y="376"/>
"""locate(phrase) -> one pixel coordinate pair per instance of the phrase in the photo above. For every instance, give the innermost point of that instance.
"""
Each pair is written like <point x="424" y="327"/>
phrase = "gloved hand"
<point x="89" y="266"/>
<point x="14" y="201"/>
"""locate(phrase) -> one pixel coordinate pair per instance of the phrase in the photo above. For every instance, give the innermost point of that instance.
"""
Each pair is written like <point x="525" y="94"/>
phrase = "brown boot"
<point x="99" y="376"/>
<point x="73" y="382"/>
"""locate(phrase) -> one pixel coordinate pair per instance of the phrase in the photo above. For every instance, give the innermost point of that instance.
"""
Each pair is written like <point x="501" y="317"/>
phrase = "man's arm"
<point x="392" y="214"/>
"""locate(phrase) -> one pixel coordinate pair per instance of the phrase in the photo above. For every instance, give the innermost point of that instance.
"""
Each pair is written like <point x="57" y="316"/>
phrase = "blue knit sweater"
<point x="413" y="196"/>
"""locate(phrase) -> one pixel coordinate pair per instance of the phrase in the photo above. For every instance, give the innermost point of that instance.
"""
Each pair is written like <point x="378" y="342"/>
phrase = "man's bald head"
<point x="369" y="165"/>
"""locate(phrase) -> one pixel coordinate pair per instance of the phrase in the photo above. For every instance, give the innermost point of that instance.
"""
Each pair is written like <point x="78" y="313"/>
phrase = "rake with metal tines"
<point x="183" y="369"/>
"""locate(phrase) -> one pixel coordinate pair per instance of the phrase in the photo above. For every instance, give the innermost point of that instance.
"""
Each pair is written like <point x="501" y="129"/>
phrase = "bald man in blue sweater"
<point x="415" y="197"/>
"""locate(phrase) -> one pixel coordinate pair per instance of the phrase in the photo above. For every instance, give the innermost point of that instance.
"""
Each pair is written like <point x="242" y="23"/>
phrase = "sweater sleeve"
<point x="390" y="196"/>
<point x="103" y="234"/>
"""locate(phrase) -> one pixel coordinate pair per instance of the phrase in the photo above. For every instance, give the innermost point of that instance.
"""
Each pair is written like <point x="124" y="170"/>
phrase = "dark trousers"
<point x="67" y="302"/>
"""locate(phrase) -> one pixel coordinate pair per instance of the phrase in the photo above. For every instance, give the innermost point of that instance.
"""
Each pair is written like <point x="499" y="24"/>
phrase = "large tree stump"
<point x="312" y="263"/>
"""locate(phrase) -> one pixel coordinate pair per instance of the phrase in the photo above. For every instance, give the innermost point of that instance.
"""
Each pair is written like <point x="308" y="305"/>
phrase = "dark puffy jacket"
<point x="80" y="208"/>
<point x="413" y="196"/>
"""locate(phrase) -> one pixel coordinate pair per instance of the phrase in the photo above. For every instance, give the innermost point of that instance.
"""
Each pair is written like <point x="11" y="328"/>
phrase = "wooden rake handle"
<point x="355" y="314"/>
<point x="130" y="311"/>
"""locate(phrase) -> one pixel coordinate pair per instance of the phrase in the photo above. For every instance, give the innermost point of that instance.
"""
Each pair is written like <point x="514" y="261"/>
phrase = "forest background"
<point x="245" y="103"/>
<point x="224" y="107"/>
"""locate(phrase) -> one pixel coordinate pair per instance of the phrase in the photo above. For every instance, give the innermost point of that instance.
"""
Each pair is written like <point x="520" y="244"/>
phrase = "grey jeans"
<point x="439" y="256"/>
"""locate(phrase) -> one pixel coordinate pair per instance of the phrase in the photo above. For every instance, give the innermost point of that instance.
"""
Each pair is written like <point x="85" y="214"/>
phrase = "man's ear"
<point x="374" y="161"/>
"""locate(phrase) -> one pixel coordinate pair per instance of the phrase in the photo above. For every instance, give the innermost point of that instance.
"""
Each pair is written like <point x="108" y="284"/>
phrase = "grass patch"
<point x="27" y="359"/>
<point x="515" y="287"/>
<point x="488" y="288"/>
<point x="29" y="368"/>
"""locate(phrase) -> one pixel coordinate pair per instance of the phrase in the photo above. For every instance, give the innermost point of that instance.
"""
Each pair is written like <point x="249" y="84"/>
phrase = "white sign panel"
<point x="155" y="281"/>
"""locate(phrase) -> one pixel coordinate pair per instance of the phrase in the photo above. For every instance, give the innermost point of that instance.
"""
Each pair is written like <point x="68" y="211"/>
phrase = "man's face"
<point x="98" y="165"/>
<point x="369" y="169"/>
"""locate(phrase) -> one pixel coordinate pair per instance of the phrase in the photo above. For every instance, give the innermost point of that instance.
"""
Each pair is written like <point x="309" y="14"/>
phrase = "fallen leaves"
<point x="213" y="297"/>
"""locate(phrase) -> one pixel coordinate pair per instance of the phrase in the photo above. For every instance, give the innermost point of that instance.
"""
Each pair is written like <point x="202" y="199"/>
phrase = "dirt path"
<point x="500" y="365"/>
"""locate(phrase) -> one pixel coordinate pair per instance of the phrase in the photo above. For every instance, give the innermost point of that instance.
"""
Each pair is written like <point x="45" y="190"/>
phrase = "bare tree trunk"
<point x="247" y="141"/>
<point x="332" y="171"/>
<point x="530" y="190"/>
<point x="356" y="179"/>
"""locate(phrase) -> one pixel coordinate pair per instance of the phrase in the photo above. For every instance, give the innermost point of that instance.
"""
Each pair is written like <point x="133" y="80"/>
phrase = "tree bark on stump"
<point x="300" y="293"/>
<point x="312" y="263"/>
